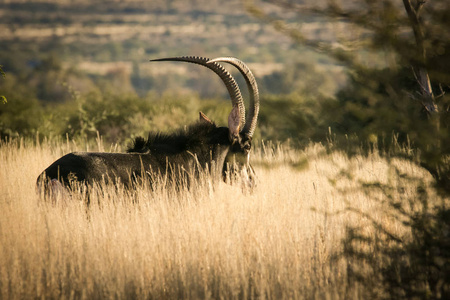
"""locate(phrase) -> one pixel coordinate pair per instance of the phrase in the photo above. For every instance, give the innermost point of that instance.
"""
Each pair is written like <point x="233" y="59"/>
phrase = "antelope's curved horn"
<point x="227" y="78"/>
<point x="252" y="117"/>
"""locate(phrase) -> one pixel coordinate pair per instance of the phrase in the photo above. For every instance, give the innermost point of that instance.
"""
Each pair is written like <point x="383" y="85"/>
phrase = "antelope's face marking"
<point x="238" y="165"/>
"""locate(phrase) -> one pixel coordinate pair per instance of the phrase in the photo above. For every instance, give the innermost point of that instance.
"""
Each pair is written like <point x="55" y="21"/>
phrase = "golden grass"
<point x="211" y="242"/>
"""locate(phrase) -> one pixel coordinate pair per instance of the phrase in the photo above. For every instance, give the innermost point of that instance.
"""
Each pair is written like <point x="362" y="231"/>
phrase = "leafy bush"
<point x="376" y="103"/>
<point x="22" y="114"/>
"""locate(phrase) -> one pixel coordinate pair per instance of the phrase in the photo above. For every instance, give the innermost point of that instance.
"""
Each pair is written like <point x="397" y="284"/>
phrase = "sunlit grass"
<point x="213" y="241"/>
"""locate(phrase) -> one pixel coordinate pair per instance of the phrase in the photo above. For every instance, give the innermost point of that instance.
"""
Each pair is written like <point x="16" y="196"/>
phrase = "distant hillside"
<point x="105" y="38"/>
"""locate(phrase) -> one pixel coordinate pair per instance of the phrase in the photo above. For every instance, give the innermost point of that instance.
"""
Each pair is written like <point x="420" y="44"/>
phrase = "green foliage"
<point x="116" y="117"/>
<point x="20" y="116"/>
<point x="292" y="117"/>
<point x="375" y="103"/>
<point x="298" y="77"/>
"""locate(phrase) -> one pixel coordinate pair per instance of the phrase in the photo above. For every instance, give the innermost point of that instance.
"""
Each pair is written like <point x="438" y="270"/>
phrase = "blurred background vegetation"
<point x="77" y="67"/>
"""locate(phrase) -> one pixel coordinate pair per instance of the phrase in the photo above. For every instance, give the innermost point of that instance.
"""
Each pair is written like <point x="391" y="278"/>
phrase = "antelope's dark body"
<point x="202" y="146"/>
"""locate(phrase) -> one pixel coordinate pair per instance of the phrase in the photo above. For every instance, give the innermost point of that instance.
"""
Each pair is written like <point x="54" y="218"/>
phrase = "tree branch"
<point x="416" y="27"/>
<point x="419" y="5"/>
<point x="419" y="69"/>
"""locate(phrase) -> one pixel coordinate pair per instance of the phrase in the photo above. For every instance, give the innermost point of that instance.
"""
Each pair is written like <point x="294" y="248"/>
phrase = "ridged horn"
<point x="227" y="78"/>
<point x="252" y="117"/>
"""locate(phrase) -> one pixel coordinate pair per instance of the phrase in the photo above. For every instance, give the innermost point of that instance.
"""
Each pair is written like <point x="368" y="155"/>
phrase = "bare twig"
<point x="419" y="5"/>
<point x="442" y="92"/>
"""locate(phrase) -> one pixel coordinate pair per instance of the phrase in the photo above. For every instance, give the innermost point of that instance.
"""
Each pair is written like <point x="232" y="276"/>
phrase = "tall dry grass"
<point x="213" y="241"/>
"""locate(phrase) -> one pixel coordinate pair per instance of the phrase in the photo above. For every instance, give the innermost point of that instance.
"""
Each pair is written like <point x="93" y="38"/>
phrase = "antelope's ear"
<point x="233" y="124"/>
<point x="204" y="118"/>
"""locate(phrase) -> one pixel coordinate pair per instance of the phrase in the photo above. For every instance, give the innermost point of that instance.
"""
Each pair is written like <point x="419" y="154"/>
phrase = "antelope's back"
<point x="90" y="167"/>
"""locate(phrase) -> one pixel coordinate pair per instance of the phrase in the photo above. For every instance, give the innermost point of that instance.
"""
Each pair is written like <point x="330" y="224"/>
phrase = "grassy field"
<point x="215" y="241"/>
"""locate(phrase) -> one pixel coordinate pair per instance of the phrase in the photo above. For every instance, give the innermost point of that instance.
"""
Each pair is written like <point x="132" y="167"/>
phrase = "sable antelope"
<point x="222" y="151"/>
